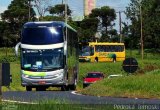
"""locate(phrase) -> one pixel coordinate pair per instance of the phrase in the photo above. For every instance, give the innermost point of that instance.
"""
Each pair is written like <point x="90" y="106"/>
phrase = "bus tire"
<point x="64" y="88"/>
<point x="96" y="59"/>
<point x="28" y="88"/>
<point x="73" y="86"/>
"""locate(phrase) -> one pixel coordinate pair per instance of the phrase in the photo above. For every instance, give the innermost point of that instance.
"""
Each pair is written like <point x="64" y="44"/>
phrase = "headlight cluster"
<point x="87" y="59"/>
<point x="58" y="74"/>
<point x="47" y="76"/>
<point x="24" y="75"/>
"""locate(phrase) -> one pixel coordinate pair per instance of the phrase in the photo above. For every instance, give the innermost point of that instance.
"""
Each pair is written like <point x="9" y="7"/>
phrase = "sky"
<point x="77" y="6"/>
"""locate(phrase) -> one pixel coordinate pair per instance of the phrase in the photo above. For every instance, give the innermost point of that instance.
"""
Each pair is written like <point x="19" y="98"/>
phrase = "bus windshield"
<point x="42" y="60"/>
<point x="86" y="51"/>
<point x="42" y="35"/>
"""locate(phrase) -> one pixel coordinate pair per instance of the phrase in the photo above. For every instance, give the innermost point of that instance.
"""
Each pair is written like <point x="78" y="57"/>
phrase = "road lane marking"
<point x="75" y="93"/>
<point x="12" y="101"/>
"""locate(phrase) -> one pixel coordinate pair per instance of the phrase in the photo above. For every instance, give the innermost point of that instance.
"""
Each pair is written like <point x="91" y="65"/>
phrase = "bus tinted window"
<point x="42" y="35"/>
<point x="109" y="48"/>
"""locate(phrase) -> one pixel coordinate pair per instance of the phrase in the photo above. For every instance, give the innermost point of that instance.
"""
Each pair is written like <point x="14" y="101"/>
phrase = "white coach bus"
<point x="49" y="55"/>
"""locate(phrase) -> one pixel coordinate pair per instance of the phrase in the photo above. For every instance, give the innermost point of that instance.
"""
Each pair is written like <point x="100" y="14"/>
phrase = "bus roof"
<point x="105" y="43"/>
<point x="47" y="24"/>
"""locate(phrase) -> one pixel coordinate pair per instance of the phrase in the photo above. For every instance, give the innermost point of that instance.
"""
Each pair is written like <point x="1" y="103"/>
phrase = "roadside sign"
<point x="130" y="65"/>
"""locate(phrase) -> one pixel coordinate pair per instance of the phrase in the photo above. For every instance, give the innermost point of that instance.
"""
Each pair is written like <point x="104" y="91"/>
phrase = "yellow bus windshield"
<point x="86" y="51"/>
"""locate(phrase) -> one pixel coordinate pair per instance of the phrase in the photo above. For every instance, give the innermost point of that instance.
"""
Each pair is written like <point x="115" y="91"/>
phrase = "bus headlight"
<point x="58" y="74"/>
<point x="87" y="59"/>
<point x="24" y="75"/>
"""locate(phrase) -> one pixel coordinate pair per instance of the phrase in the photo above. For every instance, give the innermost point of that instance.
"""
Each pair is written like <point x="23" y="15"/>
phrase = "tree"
<point x="42" y="6"/>
<point x="18" y="11"/>
<point x="88" y="28"/>
<point x="106" y="14"/>
<point x="150" y="19"/>
<point x="2" y="31"/>
<point x="52" y="18"/>
<point x="6" y="36"/>
<point x="100" y="20"/>
<point x="14" y="17"/>
<point x="133" y="13"/>
<point x="59" y="10"/>
<point x="58" y="13"/>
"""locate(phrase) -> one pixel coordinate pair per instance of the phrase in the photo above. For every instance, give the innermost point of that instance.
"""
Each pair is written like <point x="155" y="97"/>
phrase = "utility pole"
<point x="141" y="31"/>
<point x="66" y="17"/>
<point x="66" y="2"/>
<point x="120" y="26"/>
<point x="29" y="13"/>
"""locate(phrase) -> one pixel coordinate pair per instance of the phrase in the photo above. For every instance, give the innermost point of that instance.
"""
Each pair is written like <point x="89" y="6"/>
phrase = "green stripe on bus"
<point x="34" y="73"/>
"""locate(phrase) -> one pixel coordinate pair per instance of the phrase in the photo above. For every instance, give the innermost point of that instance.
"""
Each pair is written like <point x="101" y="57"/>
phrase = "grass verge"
<point x="54" y="105"/>
<point x="139" y="86"/>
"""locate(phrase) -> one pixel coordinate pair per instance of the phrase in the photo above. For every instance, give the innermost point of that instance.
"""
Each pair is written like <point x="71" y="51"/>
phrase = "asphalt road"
<point x="70" y="96"/>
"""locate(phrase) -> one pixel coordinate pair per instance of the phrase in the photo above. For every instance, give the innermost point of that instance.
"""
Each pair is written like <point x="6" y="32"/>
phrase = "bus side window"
<point x="109" y="48"/>
<point x="113" y="48"/>
<point x="97" y="48"/>
<point x="102" y="48"/>
<point x="119" y="48"/>
<point x="106" y="50"/>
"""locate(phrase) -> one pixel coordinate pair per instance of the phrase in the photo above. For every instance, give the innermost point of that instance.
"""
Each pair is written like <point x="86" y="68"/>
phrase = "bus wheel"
<point x="73" y="86"/>
<point x="64" y="88"/>
<point x="96" y="59"/>
<point x="28" y="88"/>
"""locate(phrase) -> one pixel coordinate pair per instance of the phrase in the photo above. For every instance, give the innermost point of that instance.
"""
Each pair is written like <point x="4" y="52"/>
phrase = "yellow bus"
<point x="102" y="52"/>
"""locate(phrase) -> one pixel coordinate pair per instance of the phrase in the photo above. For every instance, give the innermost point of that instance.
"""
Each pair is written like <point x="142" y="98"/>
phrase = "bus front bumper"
<point x="84" y="59"/>
<point x="43" y="81"/>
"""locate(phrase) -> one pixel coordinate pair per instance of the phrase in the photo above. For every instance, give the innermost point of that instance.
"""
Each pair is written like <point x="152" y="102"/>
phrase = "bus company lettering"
<point x="103" y="54"/>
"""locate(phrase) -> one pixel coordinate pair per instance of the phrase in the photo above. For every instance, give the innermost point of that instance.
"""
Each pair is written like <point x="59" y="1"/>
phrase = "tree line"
<point x="150" y="23"/>
<point x="100" y="20"/>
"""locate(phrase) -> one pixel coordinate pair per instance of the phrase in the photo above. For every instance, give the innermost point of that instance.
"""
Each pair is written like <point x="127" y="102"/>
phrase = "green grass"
<point x="54" y="105"/>
<point x="51" y="106"/>
<point x="7" y="55"/>
<point x="140" y="86"/>
<point x="16" y="78"/>
<point x="143" y="84"/>
<point x="14" y="68"/>
<point x="105" y="67"/>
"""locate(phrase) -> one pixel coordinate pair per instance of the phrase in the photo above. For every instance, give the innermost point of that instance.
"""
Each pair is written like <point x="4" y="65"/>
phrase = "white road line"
<point x="75" y="93"/>
<point x="12" y="101"/>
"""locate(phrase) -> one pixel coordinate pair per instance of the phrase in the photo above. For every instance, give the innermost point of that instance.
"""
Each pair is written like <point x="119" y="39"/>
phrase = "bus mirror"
<point x="16" y="48"/>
